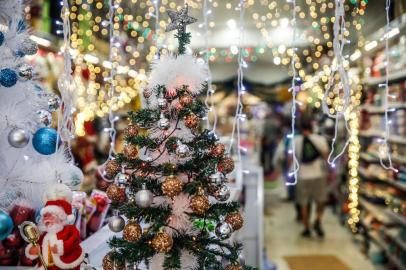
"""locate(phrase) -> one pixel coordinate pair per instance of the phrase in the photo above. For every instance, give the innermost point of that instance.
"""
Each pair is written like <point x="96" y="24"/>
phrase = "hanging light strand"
<point x="295" y="163"/>
<point x="112" y="56"/>
<point x="209" y="101"/>
<point x="65" y="119"/>
<point x="339" y="42"/>
<point x="384" y="147"/>
<point x="157" y="28"/>
<point x="239" y="116"/>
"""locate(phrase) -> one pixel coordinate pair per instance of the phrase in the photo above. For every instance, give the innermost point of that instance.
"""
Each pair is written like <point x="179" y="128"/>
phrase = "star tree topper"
<point x="179" y="21"/>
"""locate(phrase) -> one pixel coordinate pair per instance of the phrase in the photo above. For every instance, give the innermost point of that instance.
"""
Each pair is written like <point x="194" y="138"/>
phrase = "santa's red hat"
<point x="57" y="200"/>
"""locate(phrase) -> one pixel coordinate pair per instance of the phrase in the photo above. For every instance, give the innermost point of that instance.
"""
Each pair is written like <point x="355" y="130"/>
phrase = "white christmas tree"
<point x="31" y="155"/>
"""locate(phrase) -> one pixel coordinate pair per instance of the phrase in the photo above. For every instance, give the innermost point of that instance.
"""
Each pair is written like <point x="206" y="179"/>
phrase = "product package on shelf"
<point x="79" y="207"/>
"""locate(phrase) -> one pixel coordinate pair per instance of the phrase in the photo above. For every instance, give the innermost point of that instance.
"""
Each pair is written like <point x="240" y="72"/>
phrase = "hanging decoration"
<point x="294" y="88"/>
<point x="385" y="157"/>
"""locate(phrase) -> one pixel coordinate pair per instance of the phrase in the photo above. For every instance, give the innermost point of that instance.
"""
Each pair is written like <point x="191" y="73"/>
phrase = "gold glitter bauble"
<point x="235" y="220"/>
<point x="186" y="100"/>
<point x="112" y="168"/>
<point x="162" y="242"/>
<point x="110" y="264"/>
<point x="191" y="121"/>
<point x="131" y="131"/>
<point x="172" y="186"/>
<point x="234" y="267"/>
<point x="132" y="232"/>
<point x="226" y="165"/>
<point x="116" y="193"/>
<point x="200" y="204"/>
<point x="130" y="151"/>
<point x="217" y="150"/>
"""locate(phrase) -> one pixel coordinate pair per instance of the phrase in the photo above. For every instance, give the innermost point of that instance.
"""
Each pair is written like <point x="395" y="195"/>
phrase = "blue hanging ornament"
<point x="2" y="37"/>
<point x="8" y="77"/>
<point x="44" y="140"/>
<point x="6" y="225"/>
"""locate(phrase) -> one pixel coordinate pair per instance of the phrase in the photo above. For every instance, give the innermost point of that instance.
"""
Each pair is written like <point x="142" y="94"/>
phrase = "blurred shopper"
<point x="312" y="151"/>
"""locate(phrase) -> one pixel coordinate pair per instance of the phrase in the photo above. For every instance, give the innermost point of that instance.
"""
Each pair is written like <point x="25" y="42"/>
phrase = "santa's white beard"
<point x="50" y="228"/>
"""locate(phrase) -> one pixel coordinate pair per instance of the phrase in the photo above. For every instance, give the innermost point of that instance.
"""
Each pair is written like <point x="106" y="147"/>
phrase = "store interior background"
<point x="370" y="234"/>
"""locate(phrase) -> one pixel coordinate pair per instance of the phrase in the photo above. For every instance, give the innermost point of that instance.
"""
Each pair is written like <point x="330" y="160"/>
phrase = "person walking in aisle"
<point x="312" y="151"/>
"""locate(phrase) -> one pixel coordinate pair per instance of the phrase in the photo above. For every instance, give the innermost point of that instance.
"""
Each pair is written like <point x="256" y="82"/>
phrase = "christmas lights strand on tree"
<point x="239" y="116"/>
<point x="339" y="42"/>
<point x="209" y="101"/>
<point x="295" y="163"/>
<point x="384" y="147"/>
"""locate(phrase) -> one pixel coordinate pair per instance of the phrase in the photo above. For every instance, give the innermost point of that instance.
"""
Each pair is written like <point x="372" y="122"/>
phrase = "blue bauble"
<point x="1" y="38"/>
<point x="44" y="140"/>
<point x="6" y="225"/>
<point x="8" y="77"/>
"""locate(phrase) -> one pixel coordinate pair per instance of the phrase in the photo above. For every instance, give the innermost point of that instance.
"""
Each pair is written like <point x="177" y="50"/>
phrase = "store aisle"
<point x="282" y="239"/>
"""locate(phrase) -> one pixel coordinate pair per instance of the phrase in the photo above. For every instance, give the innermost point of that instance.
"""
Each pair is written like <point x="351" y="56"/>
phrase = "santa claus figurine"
<point x="59" y="243"/>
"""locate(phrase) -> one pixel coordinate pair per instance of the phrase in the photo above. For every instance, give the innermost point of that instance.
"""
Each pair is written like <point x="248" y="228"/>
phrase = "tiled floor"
<point x="282" y="239"/>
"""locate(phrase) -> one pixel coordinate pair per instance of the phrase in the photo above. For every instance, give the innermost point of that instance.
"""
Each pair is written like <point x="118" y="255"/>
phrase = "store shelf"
<point x="377" y="211"/>
<point x="373" y="158"/>
<point x="394" y="76"/>
<point x="396" y="217"/>
<point x="396" y="184"/>
<point x="393" y="234"/>
<point x="373" y="109"/>
<point x="380" y="134"/>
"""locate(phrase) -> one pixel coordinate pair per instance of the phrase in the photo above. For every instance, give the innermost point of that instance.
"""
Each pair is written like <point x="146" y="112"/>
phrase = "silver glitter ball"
<point x="44" y="118"/>
<point x="144" y="198"/>
<point x="223" y="230"/>
<point x="116" y="223"/>
<point x="182" y="150"/>
<point x="122" y="178"/>
<point x="18" y="138"/>
<point x="53" y="103"/>
<point x="162" y="103"/>
<point x="163" y="122"/>
<point x="217" y="178"/>
<point x="222" y="193"/>
<point x="28" y="47"/>
<point x="25" y="72"/>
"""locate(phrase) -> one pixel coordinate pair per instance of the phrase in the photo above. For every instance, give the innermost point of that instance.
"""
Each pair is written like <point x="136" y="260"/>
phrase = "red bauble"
<point x="14" y="240"/>
<point x="21" y="213"/>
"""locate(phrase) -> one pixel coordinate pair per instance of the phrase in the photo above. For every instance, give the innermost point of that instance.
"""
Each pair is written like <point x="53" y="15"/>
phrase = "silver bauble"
<point x="162" y="103"/>
<point x="25" y="72"/>
<point x="28" y="47"/>
<point x="122" y="178"/>
<point x="222" y="193"/>
<point x="144" y="197"/>
<point x="223" y="230"/>
<point x="182" y="150"/>
<point x="18" y="138"/>
<point x="217" y="178"/>
<point x="163" y="122"/>
<point x="116" y="223"/>
<point x="44" y="118"/>
<point x="53" y="103"/>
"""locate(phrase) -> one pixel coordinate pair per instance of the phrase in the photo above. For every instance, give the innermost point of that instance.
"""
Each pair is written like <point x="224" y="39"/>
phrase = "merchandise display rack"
<point x="382" y="192"/>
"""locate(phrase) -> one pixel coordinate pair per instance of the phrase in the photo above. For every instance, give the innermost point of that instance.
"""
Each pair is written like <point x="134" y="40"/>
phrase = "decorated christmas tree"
<point x="170" y="187"/>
